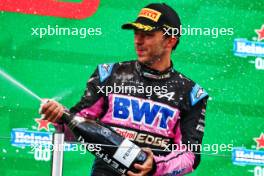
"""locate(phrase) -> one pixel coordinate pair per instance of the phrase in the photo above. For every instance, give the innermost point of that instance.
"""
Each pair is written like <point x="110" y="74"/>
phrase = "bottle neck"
<point x="67" y="117"/>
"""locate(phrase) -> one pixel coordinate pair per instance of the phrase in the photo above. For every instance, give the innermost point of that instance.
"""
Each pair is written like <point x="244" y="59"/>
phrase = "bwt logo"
<point x="142" y="111"/>
<point x="54" y="8"/>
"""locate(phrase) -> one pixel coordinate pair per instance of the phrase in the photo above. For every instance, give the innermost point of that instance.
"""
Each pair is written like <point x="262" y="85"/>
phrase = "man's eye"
<point x="149" y="34"/>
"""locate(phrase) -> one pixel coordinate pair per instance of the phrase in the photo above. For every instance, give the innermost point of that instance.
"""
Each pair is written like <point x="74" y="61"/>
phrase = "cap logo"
<point x="142" y="26"/>
<point x="150" y="14"/>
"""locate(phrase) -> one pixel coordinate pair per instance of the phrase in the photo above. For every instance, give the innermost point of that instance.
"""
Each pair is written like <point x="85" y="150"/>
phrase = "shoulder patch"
<point x="197" y="94"/>
<point x="105" y="71"/>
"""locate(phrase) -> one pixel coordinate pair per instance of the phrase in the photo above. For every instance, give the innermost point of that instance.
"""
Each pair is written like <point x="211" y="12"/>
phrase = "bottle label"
<point x="126" y="152"/>
<point x="75" y="121"/>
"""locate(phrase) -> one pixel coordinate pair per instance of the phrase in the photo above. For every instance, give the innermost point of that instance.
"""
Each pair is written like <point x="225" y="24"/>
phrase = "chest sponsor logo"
<point x="143" y="138"/>
<point x="143" y="112"/>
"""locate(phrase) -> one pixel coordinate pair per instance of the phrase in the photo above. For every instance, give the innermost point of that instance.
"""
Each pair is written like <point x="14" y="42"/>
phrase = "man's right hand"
<point x="51" y="110"/>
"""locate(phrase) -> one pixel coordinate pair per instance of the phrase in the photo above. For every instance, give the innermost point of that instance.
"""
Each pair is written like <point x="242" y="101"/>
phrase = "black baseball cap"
<point x="156" y="16"/>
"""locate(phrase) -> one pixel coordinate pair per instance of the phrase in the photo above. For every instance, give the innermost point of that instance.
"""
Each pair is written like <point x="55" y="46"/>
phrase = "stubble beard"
<point x="154" y="59"/>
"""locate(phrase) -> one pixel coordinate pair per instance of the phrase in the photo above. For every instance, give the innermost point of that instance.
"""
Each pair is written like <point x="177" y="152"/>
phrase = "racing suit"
<point x="159" y="110"/>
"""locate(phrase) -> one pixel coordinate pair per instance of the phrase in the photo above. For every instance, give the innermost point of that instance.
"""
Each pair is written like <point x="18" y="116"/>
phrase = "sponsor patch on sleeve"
<point x="197" y="94"/>
<point x="105" y="71"/>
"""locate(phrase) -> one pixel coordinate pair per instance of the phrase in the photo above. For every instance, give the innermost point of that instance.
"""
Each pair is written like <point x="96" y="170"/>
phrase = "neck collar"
<point x="147" y="72"/>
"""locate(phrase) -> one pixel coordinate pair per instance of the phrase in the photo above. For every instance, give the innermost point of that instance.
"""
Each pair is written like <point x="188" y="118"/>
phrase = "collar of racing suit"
<point x="147" y="72"/>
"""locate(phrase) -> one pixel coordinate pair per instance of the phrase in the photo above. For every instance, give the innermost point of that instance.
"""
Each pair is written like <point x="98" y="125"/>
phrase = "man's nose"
<point x="139" y="39"/>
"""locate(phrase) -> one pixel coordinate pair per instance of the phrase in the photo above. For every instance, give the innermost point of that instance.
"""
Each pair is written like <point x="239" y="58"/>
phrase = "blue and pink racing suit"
<point x="164" y="111"/>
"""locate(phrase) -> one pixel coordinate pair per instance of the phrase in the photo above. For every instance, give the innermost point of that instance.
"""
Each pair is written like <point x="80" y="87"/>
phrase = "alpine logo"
<point x="168" y="95"/>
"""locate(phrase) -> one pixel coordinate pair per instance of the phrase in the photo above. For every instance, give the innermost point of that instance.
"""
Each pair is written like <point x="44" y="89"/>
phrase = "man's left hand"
<point x="144" y="168"/>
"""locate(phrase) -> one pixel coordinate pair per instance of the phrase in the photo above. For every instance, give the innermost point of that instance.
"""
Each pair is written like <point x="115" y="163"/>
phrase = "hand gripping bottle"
<point x="119" y="153"/>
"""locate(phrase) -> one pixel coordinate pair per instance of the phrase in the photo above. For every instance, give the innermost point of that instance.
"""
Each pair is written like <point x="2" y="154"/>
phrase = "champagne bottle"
<point x="119" y="153"/>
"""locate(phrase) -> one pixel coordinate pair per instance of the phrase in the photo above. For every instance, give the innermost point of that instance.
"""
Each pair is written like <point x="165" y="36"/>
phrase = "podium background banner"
<point x="54" y="50"/>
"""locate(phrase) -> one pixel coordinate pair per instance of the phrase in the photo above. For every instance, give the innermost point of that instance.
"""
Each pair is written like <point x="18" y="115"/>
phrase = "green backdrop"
<point x="59" y="66"/>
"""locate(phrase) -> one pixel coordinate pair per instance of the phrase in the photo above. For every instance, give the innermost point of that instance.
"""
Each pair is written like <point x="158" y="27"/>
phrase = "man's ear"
<point x="172" y="41"/>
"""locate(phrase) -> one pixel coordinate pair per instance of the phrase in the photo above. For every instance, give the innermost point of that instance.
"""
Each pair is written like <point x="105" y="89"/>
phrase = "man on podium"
<point x="146" y="100"/>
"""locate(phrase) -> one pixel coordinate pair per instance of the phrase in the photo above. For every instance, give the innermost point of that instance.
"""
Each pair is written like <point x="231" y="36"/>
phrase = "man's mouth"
<point x="140" y="51"/>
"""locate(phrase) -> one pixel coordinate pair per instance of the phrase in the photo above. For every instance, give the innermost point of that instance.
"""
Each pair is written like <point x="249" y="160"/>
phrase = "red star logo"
<point x="260" y="141"/>
<point x="42" y="124"/>
<point x="260" y="33"/>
